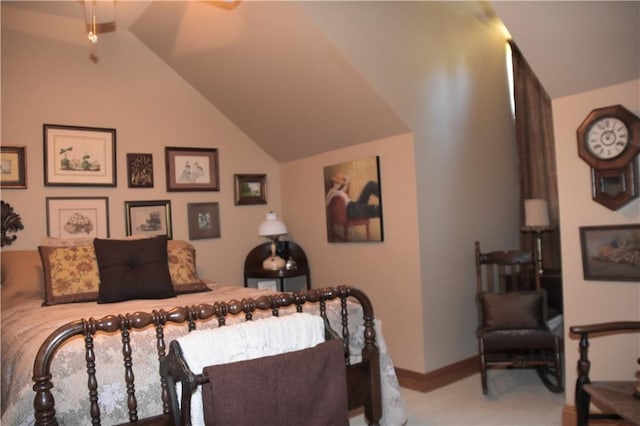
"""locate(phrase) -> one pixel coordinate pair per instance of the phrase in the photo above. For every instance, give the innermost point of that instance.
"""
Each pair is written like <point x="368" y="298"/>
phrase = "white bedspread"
<point x="25" y="326"/>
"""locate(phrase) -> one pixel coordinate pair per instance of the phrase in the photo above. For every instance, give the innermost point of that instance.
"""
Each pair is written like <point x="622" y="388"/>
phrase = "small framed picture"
<point x="79" y="156"/>
<point x="204" y="220"/>
<point x="250" y="189"/>
<point x="192" y="169"/>
<point x="150" y="218"/>
<point x="611" y="253"/>
<point x="140" y="170"/>
<point x="77" y="217"/>
<point x="13" y="167"/>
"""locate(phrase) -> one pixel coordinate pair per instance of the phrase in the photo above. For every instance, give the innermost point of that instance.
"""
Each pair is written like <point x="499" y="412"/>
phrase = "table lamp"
<point x="272" y="228"/>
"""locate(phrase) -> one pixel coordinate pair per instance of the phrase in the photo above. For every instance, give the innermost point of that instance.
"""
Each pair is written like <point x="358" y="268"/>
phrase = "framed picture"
<point x="192" y="169"/>
<point x="150" y="218"/>
<point x="140" y="170"/>
<point x="77" y="217"/>
<point x="204" y="220"/>
<point x="353" y="201"/>
<point x="611" y="253"/>
<point x="13" y="167"/>
<point x="250" y="189"/>
<point x="79" y="156"/>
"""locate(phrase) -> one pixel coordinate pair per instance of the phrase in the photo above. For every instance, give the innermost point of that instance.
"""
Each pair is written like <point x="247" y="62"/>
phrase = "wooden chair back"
<point x="505" y="271"/>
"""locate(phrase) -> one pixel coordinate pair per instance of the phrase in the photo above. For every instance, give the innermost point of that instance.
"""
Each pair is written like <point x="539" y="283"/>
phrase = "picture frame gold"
<point x="148" y="218"/>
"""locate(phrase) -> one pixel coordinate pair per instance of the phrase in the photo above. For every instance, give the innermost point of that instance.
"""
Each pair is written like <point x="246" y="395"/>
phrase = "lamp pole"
<point x="536" y="232"/>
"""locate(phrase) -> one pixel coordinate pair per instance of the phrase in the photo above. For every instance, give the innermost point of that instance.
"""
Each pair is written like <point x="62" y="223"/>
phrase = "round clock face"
<point x="607" y="138"/>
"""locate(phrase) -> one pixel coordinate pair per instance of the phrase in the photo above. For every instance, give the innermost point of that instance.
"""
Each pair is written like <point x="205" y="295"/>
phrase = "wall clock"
<point x="609" y="141"/>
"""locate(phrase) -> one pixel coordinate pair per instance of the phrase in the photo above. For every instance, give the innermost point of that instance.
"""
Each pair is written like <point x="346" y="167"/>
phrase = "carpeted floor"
<point x="516" y="398"/>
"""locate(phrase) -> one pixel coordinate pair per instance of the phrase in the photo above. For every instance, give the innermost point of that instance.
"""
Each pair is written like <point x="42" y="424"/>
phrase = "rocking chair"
<point x="512" y="313"/>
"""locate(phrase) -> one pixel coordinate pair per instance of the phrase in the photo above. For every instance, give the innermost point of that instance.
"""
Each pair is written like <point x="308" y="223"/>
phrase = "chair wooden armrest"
<point x="621" y="399"/>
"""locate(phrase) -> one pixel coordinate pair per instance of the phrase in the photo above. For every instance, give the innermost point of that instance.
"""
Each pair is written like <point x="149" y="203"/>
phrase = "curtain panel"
<point x="536" y="154"/>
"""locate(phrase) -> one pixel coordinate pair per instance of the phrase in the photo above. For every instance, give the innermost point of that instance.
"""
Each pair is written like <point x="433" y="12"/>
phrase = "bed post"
<point x="370" y="356"/>
<point x="43" y="402"/>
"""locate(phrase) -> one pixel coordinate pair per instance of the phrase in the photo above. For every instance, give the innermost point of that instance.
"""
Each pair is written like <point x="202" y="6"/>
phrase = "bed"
<point x="104" y="357"/>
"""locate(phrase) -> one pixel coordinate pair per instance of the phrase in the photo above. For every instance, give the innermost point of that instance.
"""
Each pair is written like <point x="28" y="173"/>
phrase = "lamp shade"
<point x="272" y="227"/>
<point x="536" y="212"/>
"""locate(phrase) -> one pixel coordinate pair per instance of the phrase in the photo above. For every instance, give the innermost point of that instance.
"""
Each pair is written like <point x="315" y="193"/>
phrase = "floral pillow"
<point x="70" y="274"/>
<point x="182" y="268"/>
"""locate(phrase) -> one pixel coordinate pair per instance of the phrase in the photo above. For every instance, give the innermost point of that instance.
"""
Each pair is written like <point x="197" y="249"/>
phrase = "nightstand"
<point x="253" y="270"/>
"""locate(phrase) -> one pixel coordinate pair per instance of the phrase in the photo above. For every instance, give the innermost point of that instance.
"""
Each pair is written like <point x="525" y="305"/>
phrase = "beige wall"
<point x="445" y="75"/>
<point x="452" y="181"/>
<point x="382" y="270"/>
<point x="587" y="302"/>
<point x="48" y="80"/>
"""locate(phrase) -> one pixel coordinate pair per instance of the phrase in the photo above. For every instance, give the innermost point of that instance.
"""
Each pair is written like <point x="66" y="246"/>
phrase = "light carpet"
<point x="516" y="398"/>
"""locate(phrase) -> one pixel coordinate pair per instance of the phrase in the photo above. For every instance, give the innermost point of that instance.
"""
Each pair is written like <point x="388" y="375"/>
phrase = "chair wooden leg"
<point x="483" y="368"/>
<point x="582" y="401"/>
<point x="558" y="364"/>
<point x="483" y="375"/>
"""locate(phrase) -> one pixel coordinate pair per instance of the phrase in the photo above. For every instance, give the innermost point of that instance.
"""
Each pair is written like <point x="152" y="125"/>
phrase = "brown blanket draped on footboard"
<point x="363" y="378"/>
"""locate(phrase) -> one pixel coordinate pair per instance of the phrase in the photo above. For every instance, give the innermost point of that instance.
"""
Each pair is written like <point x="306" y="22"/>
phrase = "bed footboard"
<point x="363" y="376"/>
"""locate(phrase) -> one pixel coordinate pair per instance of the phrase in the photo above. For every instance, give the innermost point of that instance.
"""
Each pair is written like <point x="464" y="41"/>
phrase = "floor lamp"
<point x="536" y="221"/>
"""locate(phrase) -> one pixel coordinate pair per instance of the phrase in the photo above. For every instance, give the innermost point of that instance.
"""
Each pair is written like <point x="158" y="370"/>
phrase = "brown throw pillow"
<point x="133" y="269"/>
<point x="513" y="310"/>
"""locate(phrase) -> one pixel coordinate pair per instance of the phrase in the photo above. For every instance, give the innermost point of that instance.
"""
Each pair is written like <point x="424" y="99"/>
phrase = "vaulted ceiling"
<point x="271" y="70"/>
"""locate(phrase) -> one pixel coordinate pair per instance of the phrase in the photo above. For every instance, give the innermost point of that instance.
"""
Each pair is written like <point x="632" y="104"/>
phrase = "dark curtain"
<point x="536" y="154"/>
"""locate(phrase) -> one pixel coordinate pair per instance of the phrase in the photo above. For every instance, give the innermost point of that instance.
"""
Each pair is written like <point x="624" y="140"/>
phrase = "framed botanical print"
<point x="192" y="169"/>
<point x="150" y="218"/>
<point x="13" y="167"/>
<point x="77" y="217"/>
<point x="79" y="156"/>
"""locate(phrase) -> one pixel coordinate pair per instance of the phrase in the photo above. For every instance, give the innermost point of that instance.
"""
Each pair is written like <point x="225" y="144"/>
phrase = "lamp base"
<point x="537" y="231"/>
<point x="273" y="263"/>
